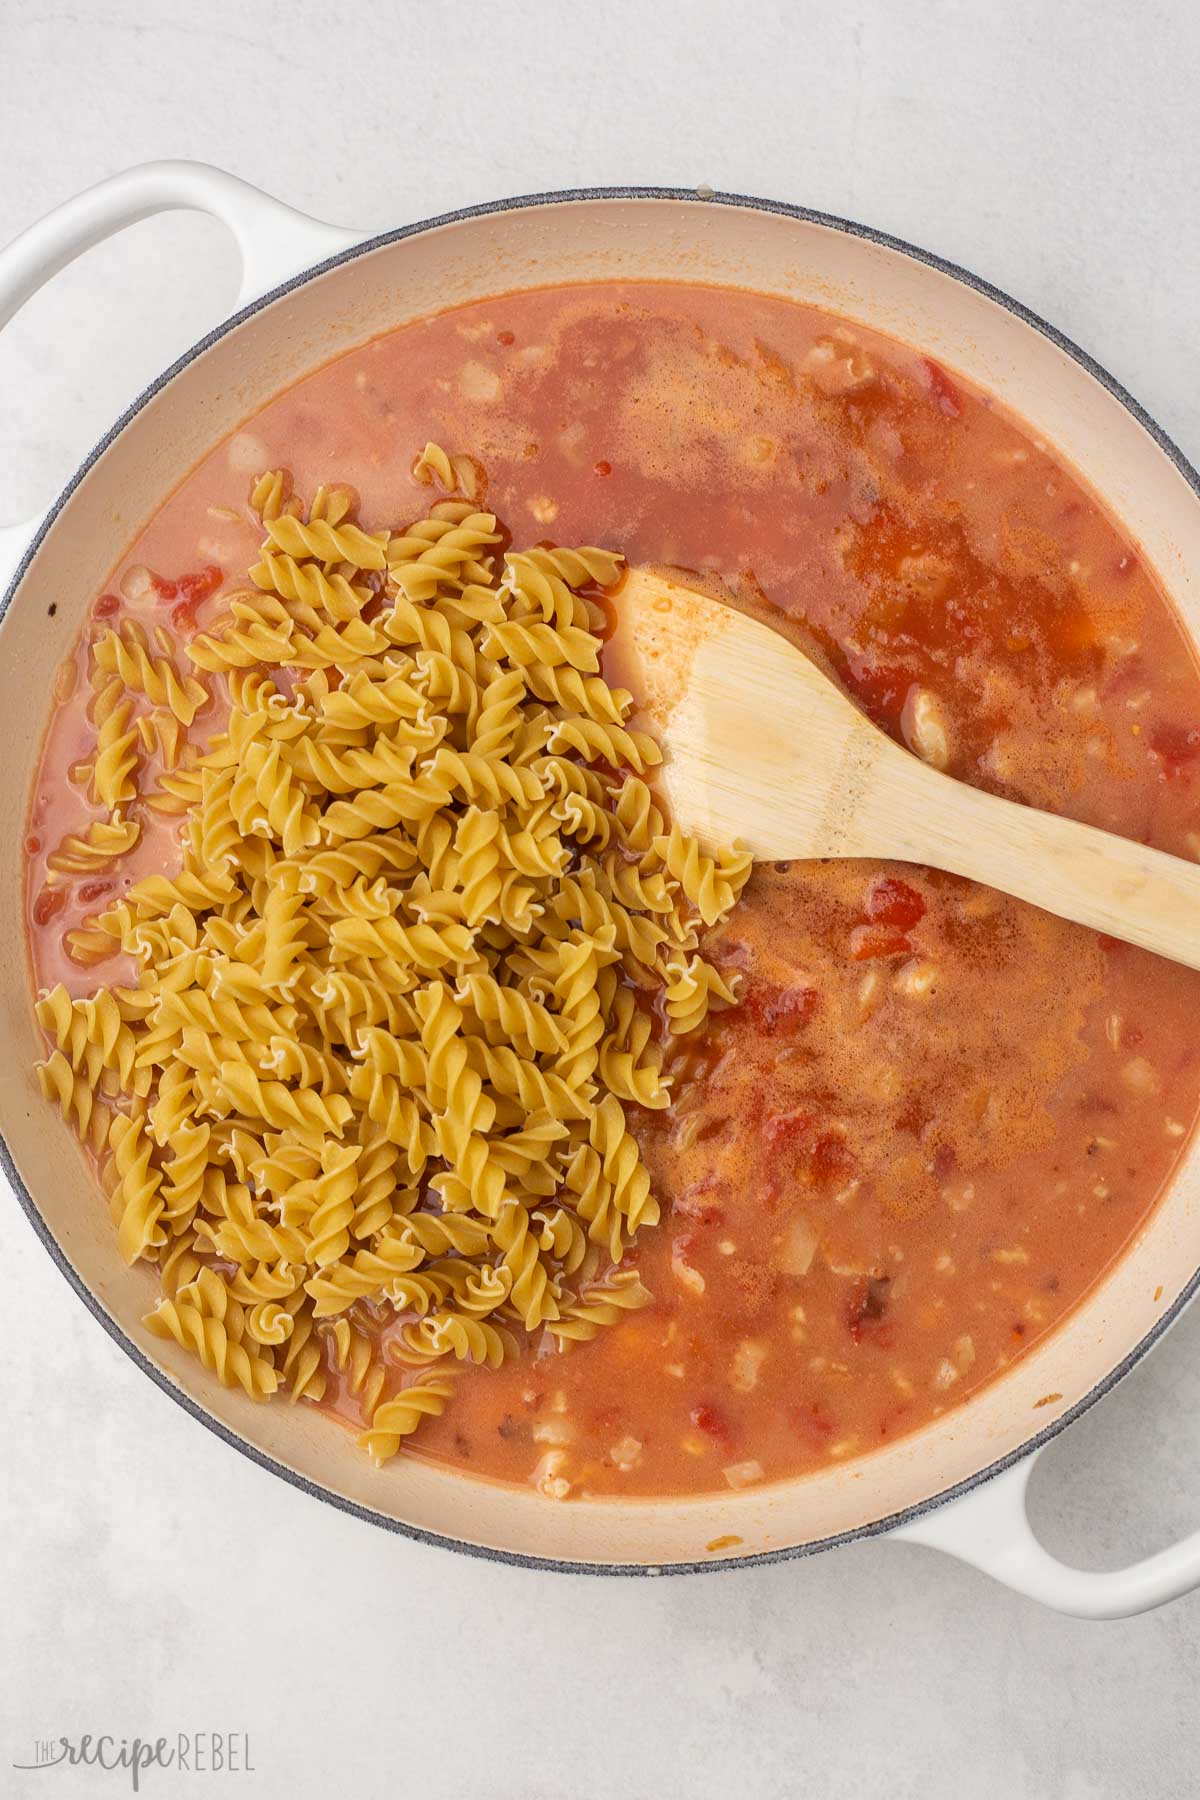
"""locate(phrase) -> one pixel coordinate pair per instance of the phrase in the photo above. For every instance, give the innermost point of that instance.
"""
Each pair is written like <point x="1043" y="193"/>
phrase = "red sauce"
<point x="939" y="1115"/>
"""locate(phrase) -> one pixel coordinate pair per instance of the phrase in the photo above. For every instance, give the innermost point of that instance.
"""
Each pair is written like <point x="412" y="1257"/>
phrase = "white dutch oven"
<point x="958" y="1485"/>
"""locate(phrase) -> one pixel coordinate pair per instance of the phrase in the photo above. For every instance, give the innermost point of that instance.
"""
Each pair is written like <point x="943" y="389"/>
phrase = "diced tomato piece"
<point x="944" y="1160"/>
<point x="201" y="584"/>
<point x="602" y="468"/>
<point x="915" y="1114"/>
<point x="832" y="1158"/>
<point x="868" y="1307"/>
<point x="778" y="1008"/>
<point x="163" y="589"/>
<point x="1127" y="678"/>
<point x="1175" y="746"/>
<point x="714" y="1127"/>
<point x="881" y="692"/>
<point x="812" y="1422"/>
<point x="48" y="902"/>
<point x="712" y="1422"/>
<point x="770" y="1193"/>
<point x="92" y="890"/>
<point x="691" y="1204"/>
<point x="945" y="391"/>
<point x="891" y="901"/>
<point x="106" y="606"/>
<point x="33" y="844"/>
<point x="506" y="337"/>
<point x="783" y="1129"/>
<point x="870" y="941"/>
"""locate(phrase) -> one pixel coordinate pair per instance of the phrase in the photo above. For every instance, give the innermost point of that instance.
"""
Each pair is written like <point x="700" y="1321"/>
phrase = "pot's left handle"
<point x="275" y="242"/>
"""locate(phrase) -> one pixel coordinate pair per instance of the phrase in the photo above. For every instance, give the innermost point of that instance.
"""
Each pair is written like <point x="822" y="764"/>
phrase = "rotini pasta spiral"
<point x="457" y="474"/>
<point x="136" y="1202"/>
<point x="601" y="1305"/>
<point x="398" y="1417"/>
<point x="126" y="654"/>
<point x="326" y="542"/>
<point x="204" y="1318"/>
<point x="451" y="1334"/>
<point x="712" y="884"/>
<point x="103" y="843"/>
<point x="116" y="757"/>
<point x="429" y="933"/>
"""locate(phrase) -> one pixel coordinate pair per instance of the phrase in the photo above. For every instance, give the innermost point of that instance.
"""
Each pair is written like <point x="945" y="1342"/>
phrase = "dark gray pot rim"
<point x="699" y="198"/>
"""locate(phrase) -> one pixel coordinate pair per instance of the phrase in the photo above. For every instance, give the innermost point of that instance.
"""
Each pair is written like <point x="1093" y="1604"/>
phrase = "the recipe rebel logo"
<point x="186" y="1752"/>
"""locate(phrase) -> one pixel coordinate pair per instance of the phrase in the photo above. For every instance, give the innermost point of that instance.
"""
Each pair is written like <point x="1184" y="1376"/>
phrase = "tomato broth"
<point x="937" y="1115"/>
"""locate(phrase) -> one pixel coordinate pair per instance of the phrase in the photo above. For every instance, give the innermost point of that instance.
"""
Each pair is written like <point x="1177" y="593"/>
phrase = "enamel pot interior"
<point x="405" y="276"/>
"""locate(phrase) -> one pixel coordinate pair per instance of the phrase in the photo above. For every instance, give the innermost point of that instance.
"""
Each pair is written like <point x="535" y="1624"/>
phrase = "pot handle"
<point x="275" y="242"/>
<point x="989" y="1528"/>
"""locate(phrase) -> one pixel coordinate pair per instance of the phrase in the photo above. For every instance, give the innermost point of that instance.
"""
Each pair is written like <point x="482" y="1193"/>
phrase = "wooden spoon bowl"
<point x="764" y="750"/>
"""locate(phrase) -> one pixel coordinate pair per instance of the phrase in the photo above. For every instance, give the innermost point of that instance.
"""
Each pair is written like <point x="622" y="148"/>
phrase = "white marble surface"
<point x="154" y="1581"/>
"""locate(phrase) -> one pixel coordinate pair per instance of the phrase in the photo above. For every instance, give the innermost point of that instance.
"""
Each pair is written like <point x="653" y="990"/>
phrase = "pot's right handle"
<point x="989" y="1528"/>
<point x="275" y="242"/>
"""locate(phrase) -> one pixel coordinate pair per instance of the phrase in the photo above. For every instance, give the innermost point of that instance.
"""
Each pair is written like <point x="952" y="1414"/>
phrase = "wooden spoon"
<point x="763" y="749"/>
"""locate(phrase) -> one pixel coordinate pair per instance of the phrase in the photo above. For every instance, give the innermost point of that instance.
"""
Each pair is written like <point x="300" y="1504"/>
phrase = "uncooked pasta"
<point x="391" y="1007"/>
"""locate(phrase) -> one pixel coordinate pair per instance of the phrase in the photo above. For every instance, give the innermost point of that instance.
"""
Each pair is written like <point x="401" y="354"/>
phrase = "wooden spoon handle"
<point x="1110" y="883"/>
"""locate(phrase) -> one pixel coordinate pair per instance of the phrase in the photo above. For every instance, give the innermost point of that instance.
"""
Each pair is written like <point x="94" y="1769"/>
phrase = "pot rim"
<point x="699" y="197"/>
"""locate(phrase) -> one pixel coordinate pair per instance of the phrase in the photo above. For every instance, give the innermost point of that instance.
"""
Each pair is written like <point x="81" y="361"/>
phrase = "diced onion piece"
<point x="248" y="454"/>
<point x="626" y="1454"/>
<point x="743" y="1474"/>
<point x="572" y="441"/>
<point x="800" y="1243"/>
<point x="553" y="1431"/>
<point x="756" y="451"/>
<point x="748" y="1359"/>
<point x="477" y="382"/>
<point x="683" y="1271"/>
<point x="546" y="1478"/>
<point x="870" y="992"/>
<point x="838" y="368"/>
<point x="137" y="583"/>
<point x="916" y="979"/>
<point x="1139" y="1077"/>
<point x="853" y="1262"/>
<point x="924" y="726"/>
